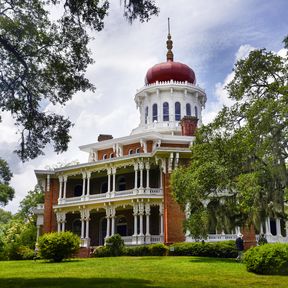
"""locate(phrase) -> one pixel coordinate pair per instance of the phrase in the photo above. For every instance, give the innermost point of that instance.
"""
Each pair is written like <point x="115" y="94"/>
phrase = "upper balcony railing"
<point x="111" y="195"/>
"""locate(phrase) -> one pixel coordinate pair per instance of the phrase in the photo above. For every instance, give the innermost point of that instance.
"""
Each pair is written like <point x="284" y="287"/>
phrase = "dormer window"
<point x="137" y="150"/>
<point x="104" y="156"/>
<point x="131" y="151"/>
<point x="111" y="155"/>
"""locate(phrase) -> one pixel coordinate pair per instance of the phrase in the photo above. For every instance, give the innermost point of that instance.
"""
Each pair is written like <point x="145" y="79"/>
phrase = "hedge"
<point x="225" y="249"/>
<point x="268" y="259"/>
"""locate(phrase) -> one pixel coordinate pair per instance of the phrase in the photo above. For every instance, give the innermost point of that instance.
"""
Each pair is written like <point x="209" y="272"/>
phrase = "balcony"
<point x="117" y="195"/>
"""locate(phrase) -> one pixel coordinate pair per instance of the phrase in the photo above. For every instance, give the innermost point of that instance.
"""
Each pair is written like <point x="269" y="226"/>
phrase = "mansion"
<point x="124" y="187"/>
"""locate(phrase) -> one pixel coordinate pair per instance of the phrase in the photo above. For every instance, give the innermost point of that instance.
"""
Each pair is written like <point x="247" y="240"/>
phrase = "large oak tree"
<point x="44" y="61"/>
<point x="239" y="161"/>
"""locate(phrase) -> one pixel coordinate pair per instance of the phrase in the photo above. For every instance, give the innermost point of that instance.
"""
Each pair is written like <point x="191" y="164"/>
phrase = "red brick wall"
<point x="105" y="151"/>
<point x="133" y="146"/>
<point x="149" y="146"/>
<point x="173" y="215"/>
<point x="249" y="237"/>
<point x="51" y="198"/>
<point x="174" y="145"/>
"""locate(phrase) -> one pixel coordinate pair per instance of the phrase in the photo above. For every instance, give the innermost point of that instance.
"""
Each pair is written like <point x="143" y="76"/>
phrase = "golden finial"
<point x="169" y="44"/>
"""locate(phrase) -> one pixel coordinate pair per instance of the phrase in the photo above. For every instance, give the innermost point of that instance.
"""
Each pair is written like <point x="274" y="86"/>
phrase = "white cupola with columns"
<point x="169" y="94"/>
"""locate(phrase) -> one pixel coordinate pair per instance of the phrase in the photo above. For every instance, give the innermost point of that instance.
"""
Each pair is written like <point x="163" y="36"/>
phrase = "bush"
<point x="102" y="251"/>
<point x="158" y="249"/>
<point x="115" y="245"/>
<point x="58" y="246"/>
<point x="225" y="249"/>
<point x="267" y="259"/>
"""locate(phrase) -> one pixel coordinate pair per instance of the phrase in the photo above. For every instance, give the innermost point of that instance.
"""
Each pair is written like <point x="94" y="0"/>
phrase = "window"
<point x="137" y="150"/>
<point x="165" y="111"/>
<point x="146" y="114"/>
<point x="112" y="155"/>
<point x="121" y="184"/>
<point x="155" y="112"/>
<point x="104" y="156"/>
<point x="177" y="111"/>
<point x="188" y="109"/>
<point x="196" y="111"/>
<point x="77" y="190"/>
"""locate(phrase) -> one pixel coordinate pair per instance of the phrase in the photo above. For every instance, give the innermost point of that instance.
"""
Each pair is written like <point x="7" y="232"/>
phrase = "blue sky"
<point x="208" y="35"/>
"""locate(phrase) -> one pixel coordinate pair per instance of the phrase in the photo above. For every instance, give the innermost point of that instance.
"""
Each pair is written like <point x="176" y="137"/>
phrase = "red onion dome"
<point x="170" y="70"/>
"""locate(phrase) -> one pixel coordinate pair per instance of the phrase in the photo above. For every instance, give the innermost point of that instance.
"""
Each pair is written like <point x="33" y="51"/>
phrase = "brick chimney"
<point x="104" y="137"/>
<point x="189" y="125"/>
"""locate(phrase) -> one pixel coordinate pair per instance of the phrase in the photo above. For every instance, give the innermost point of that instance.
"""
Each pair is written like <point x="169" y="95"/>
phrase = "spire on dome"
<point x="169" y="44"/>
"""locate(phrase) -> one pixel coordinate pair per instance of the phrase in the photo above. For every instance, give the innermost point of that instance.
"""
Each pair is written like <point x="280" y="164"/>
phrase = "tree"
<point x="6" y="191"/>
<point x="44" y="61"/>
<point x="30" y="202"/>
<point x="239" y="161"/>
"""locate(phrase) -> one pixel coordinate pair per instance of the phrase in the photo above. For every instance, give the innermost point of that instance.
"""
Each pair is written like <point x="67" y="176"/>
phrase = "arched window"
<point x="112" y="155"/>
<point x="78" y="190"/>
<point x="104" y="156"/>
<point x="154" y="112"/>
<point x="131" y="151"/>
<point x="121" y="184"/>
<point x="177" y="111"/>
<point x="165" y="111"/>
<point x="196" y="111"/>
<point x="137" y="150"/>
<point x="188" y="109"/>
<point x="146" y="114"/>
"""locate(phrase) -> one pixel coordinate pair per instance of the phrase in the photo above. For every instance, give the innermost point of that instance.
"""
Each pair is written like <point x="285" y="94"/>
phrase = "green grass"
<point x="137" y="272"/>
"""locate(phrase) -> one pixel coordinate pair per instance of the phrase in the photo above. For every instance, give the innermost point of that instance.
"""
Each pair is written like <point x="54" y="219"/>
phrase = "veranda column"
<point x="147" y="235"/>
<point x="278" y="227"/>
<point x="141" y="167"/>
<point x="84" y="182"/>
<point x="135" y="214"/>
<point x="108" y="213"/>
<point x="60" y="187"/>
<point x="63" y="221"/>
<point x="147" y="167"/>
<point x="88" y="183"/>
<point x="141" y="213"/>
<point x="65" y="186"/>
<point x="87" y="218"/>
<point x="136" y="178"/>
<point x="113" y="181"/>
<point x="58" y="219"/>
<point x="267" y="226"/>
<point x="161" y="179"/>
<point x="109" y="181"/>
<point x="113" y="213"/>
<point x="82" y="215"/>
<point x="161" y="212"/>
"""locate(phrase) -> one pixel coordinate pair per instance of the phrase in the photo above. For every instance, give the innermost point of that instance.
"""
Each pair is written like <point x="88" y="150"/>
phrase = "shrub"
<point x="58" y="246"/>
<point x="102" y="251"/>
<point x="115" y="245"/>
<point x="158" y="249"/>
<point x="267" y="259"/>
<point x="225" y="249"/>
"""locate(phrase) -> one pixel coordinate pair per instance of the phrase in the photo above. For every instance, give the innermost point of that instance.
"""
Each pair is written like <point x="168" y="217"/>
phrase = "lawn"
<point x="137" y="272"/>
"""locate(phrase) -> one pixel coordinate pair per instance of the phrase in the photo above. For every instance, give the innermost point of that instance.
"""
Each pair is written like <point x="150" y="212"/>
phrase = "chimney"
<point x="104" y="137"/>
<point x="189" y="125"/>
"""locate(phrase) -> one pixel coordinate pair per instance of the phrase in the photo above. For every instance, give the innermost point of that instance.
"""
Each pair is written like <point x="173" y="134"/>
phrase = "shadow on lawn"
<point x="74" y="283"/>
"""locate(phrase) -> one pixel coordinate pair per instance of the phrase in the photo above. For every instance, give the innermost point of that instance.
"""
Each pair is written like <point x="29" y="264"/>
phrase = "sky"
<point x="208" y="35"/>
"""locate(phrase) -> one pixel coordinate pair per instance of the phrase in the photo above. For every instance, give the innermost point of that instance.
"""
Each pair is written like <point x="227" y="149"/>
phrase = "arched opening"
<point x="77" y="190"/>
<point x="131" y="151"/>
<point x="76" y="227"/>
<point x="137" y="150"/>
<point x="165" y="111"/>
<point x="104" y="156"/>
<point x="111" y="155"/>
<point x="121" y="184"/>
<point x="154" y="112"/>
<point x="121" y="226"/>
<point x="188" y="109"/>
<point x="177" y="111"/>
